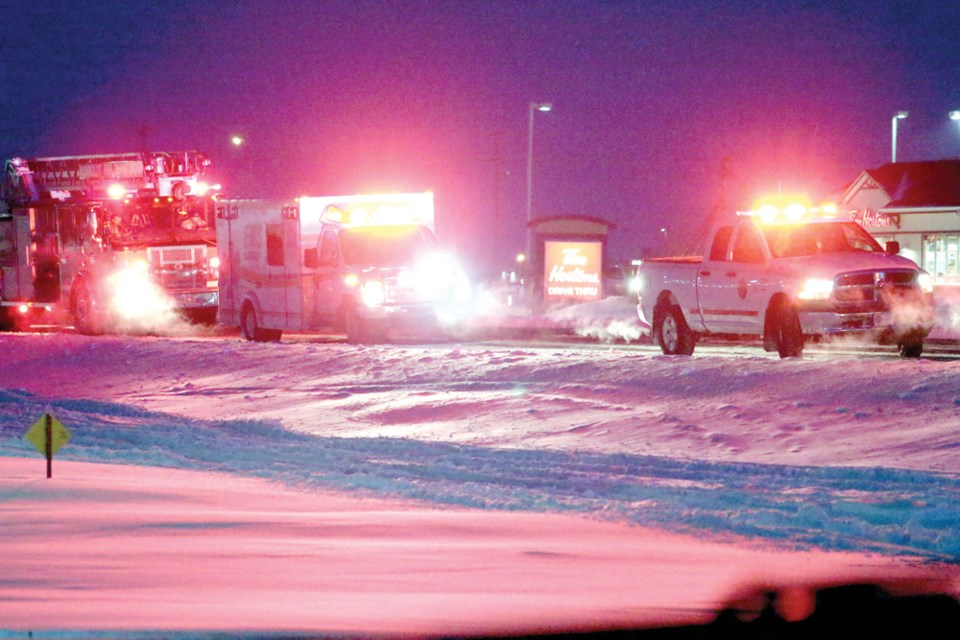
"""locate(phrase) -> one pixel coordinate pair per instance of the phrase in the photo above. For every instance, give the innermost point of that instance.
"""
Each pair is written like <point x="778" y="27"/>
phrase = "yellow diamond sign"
<point x="37" y="434"/>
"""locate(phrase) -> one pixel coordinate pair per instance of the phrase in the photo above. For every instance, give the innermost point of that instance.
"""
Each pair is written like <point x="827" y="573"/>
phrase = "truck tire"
<point x="910" y="347"/>
<point x="671" y="331"/>
<point x="249" y="327"/>
<point x="6" y="320"/>
<point x="787" y="332"/>
<point x="361" y="330"/>
<point x="251" y="330"/>
<point x="82" y="308"/>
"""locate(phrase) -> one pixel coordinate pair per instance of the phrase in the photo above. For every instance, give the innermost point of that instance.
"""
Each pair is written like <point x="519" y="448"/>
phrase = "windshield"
<point x="383" y="246"/>
<point x="158" y="220"/>
<point x="792" y="241"/>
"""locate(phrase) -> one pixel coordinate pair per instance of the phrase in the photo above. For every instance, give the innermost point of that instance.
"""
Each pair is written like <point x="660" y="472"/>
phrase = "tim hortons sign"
<point x="572" y="271"/>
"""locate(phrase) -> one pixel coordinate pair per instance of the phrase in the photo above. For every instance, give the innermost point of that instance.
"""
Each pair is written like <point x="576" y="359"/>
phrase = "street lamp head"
<point x="955" y="115"/>
<point x="541" y="106"/>
<point x="893" y="133"/>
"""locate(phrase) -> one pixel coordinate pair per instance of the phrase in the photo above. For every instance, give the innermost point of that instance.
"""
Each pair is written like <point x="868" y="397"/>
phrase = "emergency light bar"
<point x="785" y="211"/>
<point x="370" y="209"/>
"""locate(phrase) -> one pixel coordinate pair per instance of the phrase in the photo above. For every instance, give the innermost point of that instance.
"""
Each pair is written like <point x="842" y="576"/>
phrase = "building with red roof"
<point x="916" y="204"/>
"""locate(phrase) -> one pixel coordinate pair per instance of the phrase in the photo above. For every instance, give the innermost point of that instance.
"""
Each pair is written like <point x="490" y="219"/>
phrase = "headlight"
<point x="372" y="293"/>
<point x="816" y="289"/>
<point x="131" y="280"/>
<point x="135" y="294"/>
<point x="439" y="277"/>
<point x="925" y="282"/>
<point x="462" y="293"/>
<point x="213" y="268"/>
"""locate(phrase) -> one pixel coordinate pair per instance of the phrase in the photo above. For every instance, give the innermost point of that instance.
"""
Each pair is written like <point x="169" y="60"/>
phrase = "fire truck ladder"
<point x="29" y="176"/>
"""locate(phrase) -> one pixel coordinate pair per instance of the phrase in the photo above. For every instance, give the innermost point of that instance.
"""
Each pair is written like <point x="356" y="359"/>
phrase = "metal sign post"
<point x="48" y="438"/>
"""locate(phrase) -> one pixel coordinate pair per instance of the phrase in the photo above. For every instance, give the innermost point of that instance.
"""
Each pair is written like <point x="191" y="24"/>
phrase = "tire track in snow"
<point x="875" y="509"/>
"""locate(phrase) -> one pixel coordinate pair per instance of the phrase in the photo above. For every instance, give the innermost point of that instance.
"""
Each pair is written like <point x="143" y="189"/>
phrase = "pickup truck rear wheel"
<point x="910" y="347"/>
<point x="671" y="332"/>
<point x="788" y="334"/>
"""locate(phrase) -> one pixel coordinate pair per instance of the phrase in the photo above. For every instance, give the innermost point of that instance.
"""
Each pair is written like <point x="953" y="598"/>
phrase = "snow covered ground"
<point x="572" y="486"/>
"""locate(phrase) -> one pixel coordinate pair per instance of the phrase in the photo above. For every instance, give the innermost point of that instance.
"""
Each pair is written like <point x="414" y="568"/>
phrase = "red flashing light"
<point x="787" y="209"/>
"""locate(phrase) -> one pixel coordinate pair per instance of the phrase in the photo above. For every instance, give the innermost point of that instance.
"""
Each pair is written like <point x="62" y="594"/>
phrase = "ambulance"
<point x="367" y="265"/>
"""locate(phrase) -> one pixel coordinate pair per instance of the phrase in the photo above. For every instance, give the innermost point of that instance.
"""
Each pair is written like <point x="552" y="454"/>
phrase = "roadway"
<point x="945" y="350"/>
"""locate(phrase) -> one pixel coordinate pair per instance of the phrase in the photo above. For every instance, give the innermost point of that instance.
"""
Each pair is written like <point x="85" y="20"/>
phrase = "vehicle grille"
<point x="397" y="293"/>
<point x="179" y="268"/>
<point x="400" y="290"/>
<point x="874" y="289"/>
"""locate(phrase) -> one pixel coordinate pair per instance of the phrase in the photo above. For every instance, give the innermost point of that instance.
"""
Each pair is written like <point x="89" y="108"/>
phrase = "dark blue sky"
<point x="650" y="99"/>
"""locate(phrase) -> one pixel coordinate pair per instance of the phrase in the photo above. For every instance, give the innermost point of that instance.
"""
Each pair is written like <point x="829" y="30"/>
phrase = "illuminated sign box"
<point x="572" y="271"/>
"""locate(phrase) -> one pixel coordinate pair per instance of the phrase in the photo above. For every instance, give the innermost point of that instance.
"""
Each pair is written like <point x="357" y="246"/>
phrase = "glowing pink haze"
<point x="113" y="547"/>
<point x="662" y="110"/>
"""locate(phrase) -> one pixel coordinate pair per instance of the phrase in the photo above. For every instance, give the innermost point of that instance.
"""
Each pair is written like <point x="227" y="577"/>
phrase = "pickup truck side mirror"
<point x="892" y="247"/>
<point x="310" y="258"/>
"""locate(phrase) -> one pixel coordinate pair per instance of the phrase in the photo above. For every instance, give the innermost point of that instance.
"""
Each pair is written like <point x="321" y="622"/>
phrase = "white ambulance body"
<point x="365" y="264"/>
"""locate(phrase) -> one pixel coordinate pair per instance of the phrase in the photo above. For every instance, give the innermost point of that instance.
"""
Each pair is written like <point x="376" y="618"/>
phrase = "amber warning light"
<point x="786" y="210"/>
<point x="369" y="209"/>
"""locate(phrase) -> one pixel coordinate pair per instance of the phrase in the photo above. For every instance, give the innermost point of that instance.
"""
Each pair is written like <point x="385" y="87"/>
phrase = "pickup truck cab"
<point x="787" y="278"/>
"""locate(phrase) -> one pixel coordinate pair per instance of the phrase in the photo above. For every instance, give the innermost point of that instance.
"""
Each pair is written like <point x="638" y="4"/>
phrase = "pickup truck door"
<point x="731" y="285"/>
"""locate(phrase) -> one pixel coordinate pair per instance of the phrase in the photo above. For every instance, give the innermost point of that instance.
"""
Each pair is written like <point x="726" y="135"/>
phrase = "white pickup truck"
<point x="787" y="279"/>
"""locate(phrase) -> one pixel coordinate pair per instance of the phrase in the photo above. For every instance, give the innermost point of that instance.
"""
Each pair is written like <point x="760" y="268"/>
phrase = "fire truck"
<point x="364" y="264"/>
<point x="107" y="242"/>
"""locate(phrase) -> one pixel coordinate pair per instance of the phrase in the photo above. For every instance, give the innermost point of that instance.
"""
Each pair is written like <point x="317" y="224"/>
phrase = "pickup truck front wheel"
<point x="671" y="332"/>
<point x="787" y="332"/>
<point x="910" y="347"/>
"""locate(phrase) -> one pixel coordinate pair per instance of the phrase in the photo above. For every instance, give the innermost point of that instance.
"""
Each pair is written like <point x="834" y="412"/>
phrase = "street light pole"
<point x="893" y="134"/>
<point x="534" y="107"/>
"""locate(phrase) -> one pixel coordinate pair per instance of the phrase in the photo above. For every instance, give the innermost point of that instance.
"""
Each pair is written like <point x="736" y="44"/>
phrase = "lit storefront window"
<point x="940" y="253"/>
